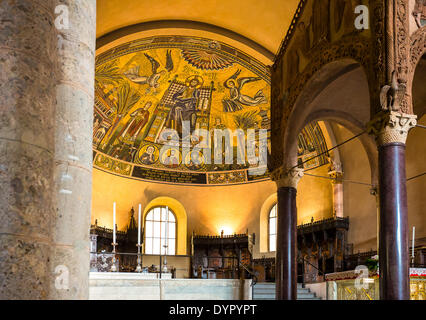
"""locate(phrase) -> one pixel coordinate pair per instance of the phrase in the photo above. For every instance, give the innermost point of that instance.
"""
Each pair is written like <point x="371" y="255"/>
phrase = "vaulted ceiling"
<point x="262" y="22"/>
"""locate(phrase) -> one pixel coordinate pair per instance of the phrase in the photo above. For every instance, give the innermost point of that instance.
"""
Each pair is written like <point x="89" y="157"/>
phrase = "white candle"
<point x="166" y="227"/>
<point x="113" y="224"/>
<point x="139" y="225"/>
<point x="412" y="245"/>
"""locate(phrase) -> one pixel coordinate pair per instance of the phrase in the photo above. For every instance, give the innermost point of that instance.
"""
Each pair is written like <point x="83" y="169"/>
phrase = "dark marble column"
<point x="393" y="232"/>
<point x="286" y="255"/>
<point x="286" y="260"/>
<point x="391" y="130"/>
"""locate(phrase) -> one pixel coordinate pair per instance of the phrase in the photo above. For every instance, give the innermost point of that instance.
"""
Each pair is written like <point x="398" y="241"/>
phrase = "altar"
<point x="129" y="275"/>
<point x="149" y="286"/>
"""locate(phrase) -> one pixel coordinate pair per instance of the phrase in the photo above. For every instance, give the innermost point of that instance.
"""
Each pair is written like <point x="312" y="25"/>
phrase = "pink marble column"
<point x="337" y="184"/>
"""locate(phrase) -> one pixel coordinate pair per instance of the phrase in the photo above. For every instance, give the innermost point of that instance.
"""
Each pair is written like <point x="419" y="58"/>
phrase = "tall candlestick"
<point x="167" y="227"/>
<point x="139" y="224"/>
<point x="113" y="223"/>
<point x="412" y="245"/>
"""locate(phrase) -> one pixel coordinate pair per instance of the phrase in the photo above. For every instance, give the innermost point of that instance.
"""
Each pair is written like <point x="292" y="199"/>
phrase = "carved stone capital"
<point x="337" y="176"/>
<point x="391" y="127"/>
<point x="287" y="178"/>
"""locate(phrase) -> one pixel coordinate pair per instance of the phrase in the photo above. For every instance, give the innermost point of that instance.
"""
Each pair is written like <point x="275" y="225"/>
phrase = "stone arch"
<point x="416" y="63"/>
<point x="418" y="93"/>
<point x="325" y="97"/>
<point x="181" y="217"/>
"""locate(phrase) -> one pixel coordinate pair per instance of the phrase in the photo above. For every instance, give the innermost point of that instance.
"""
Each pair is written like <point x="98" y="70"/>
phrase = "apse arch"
<point x="182" y="25"/>
<point x="181" y="219"/>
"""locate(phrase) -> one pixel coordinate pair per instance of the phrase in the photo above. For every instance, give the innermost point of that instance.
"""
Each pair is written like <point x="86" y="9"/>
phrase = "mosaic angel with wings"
<point x="237" y="99"/>
<point x="151" y="80"/>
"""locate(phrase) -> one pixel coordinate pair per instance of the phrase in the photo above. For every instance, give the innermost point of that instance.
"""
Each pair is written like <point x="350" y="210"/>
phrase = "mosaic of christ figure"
<point x="185" y="105"/>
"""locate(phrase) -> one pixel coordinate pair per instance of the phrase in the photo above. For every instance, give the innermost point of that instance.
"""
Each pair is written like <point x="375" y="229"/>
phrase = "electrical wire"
<point x="328" y="150"/>
<point x="357" y="182"/>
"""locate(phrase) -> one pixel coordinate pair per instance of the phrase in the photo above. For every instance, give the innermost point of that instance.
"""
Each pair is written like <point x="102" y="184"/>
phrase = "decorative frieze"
<point x="287" y="177"/>
<point x="391" y="127"/>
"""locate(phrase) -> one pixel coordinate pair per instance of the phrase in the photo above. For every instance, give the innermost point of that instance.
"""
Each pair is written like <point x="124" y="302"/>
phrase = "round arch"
<point x="417" y="62"/>
<point x="263" y="223"/>
<point x="415" y="150"/>
<point x="418" y="93"/>
<point x="181" y="217"/>
<point x="338" y="92"/>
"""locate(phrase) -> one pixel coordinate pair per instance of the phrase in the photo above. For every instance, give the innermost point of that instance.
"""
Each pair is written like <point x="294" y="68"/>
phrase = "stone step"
<point x="272" y="284"/>
<point x="272" y="290"/>
<point x="306" y="295"/>
<point x="264" y="296"/>
<point x="303" y="290"/>
<point x="266" y="291"/>
<point x="264" y="285"/>
<point x="272" y="297"/>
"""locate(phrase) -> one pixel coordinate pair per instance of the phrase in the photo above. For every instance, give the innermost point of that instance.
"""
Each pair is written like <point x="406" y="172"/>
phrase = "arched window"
<point x="272" y="229"/>
<point x="160" y="230"/>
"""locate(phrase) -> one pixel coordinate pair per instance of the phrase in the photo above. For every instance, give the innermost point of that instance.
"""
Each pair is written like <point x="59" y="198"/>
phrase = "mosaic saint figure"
<point x="321" y="21"/>
<point x="237" y="99"/>
<point x="148" y="157"/>
<point x="196" y="161"/>
<point x="138" y="119"/>
<point x="300" y="48"/>
<point x="172" y="161"/>
<point x="419" y="13"/>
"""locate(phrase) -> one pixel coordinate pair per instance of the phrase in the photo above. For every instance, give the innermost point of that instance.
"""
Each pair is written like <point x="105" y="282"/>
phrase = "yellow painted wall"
<point x="358" y="204"/>
<point x="208" y="209"/>
<point x="416" y="164"/>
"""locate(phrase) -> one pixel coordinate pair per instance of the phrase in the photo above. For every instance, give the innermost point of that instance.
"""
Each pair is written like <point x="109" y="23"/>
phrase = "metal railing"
<point x="253" y="274"/>
<point x="128" y="262"/>
<point x="303" y="260"/>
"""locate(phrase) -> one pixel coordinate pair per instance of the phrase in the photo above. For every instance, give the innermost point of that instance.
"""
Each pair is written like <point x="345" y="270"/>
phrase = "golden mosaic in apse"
<point x="150" y="85"/>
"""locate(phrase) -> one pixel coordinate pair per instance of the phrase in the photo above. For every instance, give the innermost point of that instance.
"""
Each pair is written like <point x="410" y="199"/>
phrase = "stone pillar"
<point x="391" y="130"/>
<point x="45" y="117"/>
<point x="27" y="108"/>
<point x="337" y="182"/>
<point x="73" y="149"/>
<point x="286" y="255"/>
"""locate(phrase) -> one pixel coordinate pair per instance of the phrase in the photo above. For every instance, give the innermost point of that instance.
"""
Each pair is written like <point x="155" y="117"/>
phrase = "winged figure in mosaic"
<point x="237" y="99"/>
<point x="151" y="80"/>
